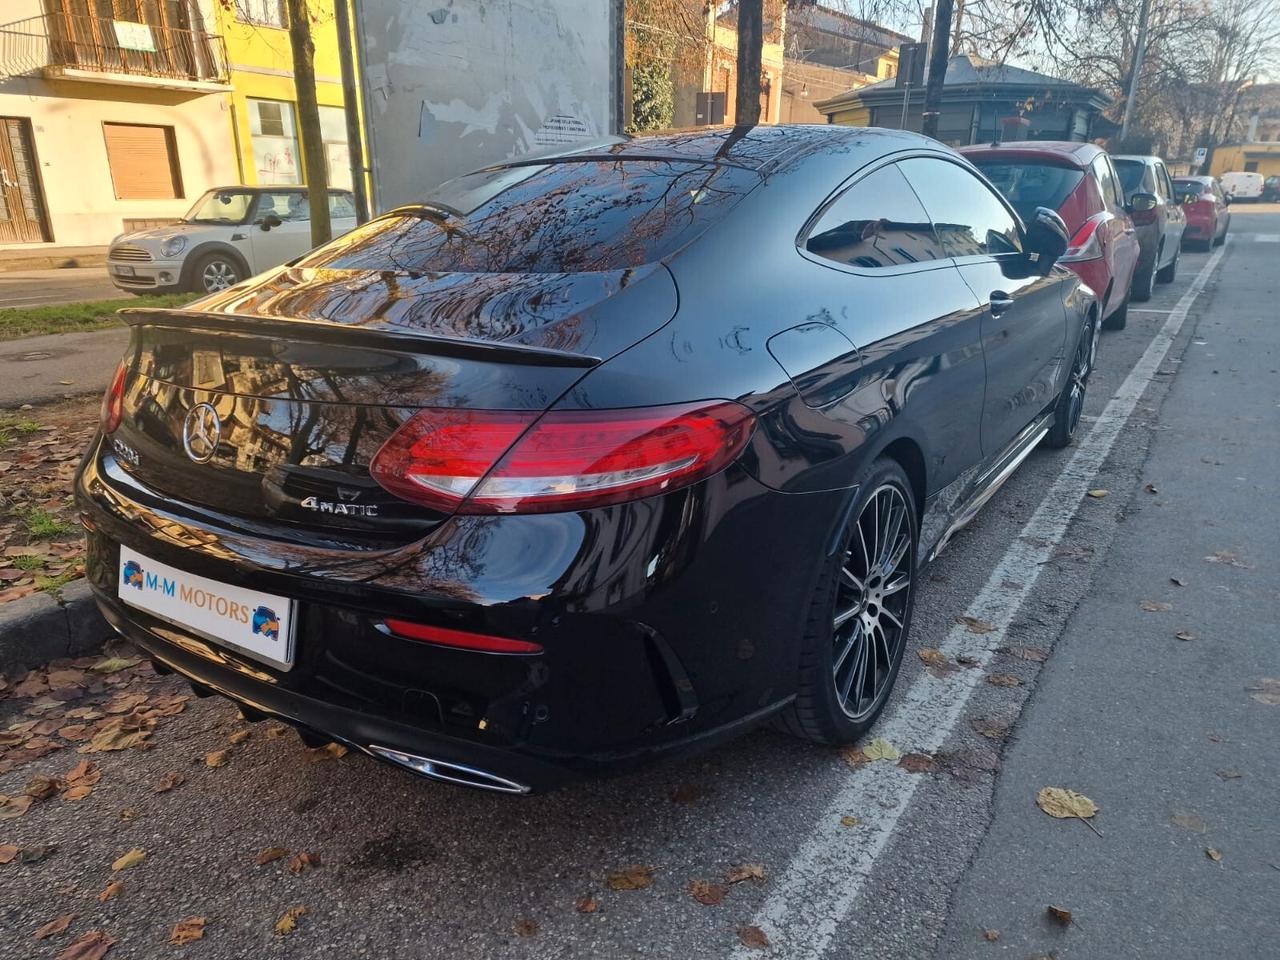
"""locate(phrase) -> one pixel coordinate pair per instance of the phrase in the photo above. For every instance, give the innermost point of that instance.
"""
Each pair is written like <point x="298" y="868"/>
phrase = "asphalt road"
<point x="1187" y="399"/>
<point x="38" y="288"/>
<point x="57" y="365"/>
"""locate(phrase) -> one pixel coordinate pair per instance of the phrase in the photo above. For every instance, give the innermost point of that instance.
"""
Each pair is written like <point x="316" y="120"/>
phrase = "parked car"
<point x="1241" y="185"/>
<point x="1080" y="183"/>
<point x="229" y="234"/>
<point x="1205" y="204"/>
<point x="1159" y="226"/>
<point x="1271" y="189"/>
<point x="533" y="479"/>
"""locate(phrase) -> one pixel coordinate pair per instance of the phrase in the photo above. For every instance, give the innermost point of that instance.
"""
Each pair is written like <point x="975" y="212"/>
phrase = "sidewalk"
<point x="1150" y="726"/>
<point x="35" y="288"/>
<point x="47" y="256"/>
<point x="40" y="369"/>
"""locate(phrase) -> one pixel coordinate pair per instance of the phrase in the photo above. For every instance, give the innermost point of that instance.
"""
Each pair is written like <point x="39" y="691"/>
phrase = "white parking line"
<point x="826" y="875"/>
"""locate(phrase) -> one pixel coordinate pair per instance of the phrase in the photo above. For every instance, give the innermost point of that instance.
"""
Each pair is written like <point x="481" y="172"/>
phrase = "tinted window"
<point x="968" y="218"/>
<point x="1030" y="185"/>
<point x="878" y="222"/>
<point x="1131" y="172"/>
<point x="549" y="218"/>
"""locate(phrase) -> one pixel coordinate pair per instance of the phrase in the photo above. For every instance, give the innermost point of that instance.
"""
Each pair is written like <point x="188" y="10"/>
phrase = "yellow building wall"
<point x="1234" y="158"/>
<point x="261" y="63"/>
<point x="725" y="69"/>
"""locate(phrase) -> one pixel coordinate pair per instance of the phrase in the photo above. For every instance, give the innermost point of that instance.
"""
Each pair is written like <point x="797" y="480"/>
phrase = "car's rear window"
<point x="1193" y="187"/>
<point x="567" y="217"/>
<point x="1028" y="185"/>
<point x="1131" y="172"/>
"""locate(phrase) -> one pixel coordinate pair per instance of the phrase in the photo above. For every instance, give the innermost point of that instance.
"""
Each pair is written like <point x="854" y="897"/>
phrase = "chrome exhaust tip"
<point x="449" y="772"/>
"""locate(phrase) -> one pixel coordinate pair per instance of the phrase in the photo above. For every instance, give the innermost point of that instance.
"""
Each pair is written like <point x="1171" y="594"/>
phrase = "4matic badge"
<point x="342" y="509"/>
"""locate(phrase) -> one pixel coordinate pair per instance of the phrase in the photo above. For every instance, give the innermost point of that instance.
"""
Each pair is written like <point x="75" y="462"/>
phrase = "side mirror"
<point x="269" y="221"/>
<point x="1227" y="200"/>
<point x="1142" y="203"/>
<point x="1046" y="241"/>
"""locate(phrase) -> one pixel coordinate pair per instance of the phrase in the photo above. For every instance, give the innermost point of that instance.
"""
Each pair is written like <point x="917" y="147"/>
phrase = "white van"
<point x="1242" y="186"/>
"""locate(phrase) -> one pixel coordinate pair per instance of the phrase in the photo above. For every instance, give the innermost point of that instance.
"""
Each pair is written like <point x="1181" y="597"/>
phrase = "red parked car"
<point x="1080" y="182"/>
<point x="1205" y="204"/>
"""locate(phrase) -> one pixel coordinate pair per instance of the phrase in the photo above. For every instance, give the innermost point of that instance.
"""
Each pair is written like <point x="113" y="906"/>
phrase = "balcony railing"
<point x="56" y="43"/>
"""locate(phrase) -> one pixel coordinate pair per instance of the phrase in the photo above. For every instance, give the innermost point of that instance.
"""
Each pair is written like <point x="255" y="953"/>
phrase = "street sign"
<point x="911" y="64"/>
<point x="1201" y="153"/>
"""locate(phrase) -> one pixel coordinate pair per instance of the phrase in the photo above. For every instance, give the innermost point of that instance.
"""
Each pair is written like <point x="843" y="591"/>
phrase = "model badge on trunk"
<point x="345" y="509"/>
<point x="201" y="432"/>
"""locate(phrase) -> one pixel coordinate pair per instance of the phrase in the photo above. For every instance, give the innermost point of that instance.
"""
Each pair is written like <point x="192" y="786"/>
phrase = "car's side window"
<point x="969" y="218"/>
<point x="286" y="204"/>
<point x="1166" y="185"/>
<point x="341" y="206"/>
<point x="877" y="222"/>
<point x="1107" y="184"/>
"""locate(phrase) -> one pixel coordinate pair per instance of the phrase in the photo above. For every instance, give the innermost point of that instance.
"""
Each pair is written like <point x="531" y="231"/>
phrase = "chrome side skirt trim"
<point x="995" y="478"/>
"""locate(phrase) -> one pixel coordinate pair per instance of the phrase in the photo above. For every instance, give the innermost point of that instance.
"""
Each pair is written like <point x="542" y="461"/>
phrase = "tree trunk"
<point x="750" y="50"/>
<point x="939" y="54"/>
<point x="314" y="163"/>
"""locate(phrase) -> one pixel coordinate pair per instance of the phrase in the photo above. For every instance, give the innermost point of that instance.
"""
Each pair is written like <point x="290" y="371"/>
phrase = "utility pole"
<point x="314" y="162"/>
<point x="351" y="106"/>
<point x="939" y="54"/>
<point x="1139" y="52"/>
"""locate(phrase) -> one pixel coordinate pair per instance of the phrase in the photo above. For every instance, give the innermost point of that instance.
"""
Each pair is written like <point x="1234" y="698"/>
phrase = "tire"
<point x="1169" y="272"/>
<point x="1119" y="317"/>
<point x="214" y="272"/>
<point x="1066" y="414"/>
<point x="862" y="652"/>
<point x="1144" y="282"/>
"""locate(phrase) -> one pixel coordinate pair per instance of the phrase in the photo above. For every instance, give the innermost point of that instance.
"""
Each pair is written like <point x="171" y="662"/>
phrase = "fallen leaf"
<point x="275" y="730"/>
<point x="330" y="751"/>
<point x="526" y="927"/>
<point x="1188" y="821"/>
<point x="65" y="678"/>
<point x="74" y="731"/>
<point x="37" y="854"/>
<point x="1268" y="691"/>
<point x="119" y="733"/>
<point x="111" y="891"/>
<point x="687" y="793"/>
<point x="168" y="782"/>
<point x="1216" y="738"/>
<point x="1098" y="494"/>
<point x="752" y="936"/>
<point x="240" y="736"/>
<point x="991" y="729"/>
<point x="187" y="931"/>
<point x="269" y="854"/>
<point x="991" y="936"/>
<point x="1155" y="606"/>
<point x="125" y="703"/>
<point x="288" y="922"/>
<point x="969" y="661"/>
<point x="54" y="926"/>
<point x="41" y="787"/>
<point x="130" y="859"/>
<point x="848" y="820"/>
<point x="881" y="749"/>
<point x="78" y="792"/>
<point x="854" y="756"/>
<point x="1059" y="914"/>
<point x="633" y="877"/>
<point x="128" y="813"/>
<point x="975" y="625"/>
<point x="92" y="946"/>
<point x="934" y="658"/>
<point x="706" y="893"/>
<point x="1212" y="854"/>
<point x="918" y="763"/>
<point x="1186" y="635"/>
<point x="587" y="904"/>
<point x="1151" y="488"/>
<point x="1034" y="654"/>
<point x="302" y="860"/>
<point x="13" y="807"/>
<point x="8" y="852"/>
<point x="115" y="664"/>
<point x="1066" y="804"/>
<point x="1229" y="774"/>
<point x="746" y="871"/>
<point x="1178" y="581"/>
<point x="218" y="758"/>
<point x="1004" y="680"/>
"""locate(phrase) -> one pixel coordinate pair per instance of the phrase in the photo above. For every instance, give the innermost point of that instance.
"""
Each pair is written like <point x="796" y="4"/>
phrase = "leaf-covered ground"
<point x="41" y="542"/>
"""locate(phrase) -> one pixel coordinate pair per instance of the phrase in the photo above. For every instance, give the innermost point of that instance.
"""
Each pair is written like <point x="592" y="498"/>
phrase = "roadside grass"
<point x="18" y="322"/>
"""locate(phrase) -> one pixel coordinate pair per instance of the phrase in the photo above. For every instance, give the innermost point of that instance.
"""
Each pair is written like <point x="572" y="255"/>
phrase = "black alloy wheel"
<point x="860" y="618"/>
<point x="1066" y="415"/>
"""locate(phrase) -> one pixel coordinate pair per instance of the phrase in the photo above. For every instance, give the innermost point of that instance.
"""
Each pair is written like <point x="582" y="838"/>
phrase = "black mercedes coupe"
<point x="590" y="458"/>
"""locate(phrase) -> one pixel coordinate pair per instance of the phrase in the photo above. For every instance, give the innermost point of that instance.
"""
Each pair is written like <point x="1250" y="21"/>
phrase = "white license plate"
<point x="124" y="271"/>
<point x="255" y="623"/>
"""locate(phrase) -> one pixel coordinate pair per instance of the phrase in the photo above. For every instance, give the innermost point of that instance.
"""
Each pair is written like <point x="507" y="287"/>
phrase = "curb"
<point x="11" y="261"/>
<point x="40" y="628"/>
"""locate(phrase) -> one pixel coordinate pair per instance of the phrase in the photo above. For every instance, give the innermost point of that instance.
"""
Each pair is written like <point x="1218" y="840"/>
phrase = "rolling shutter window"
<point x="144" y="162"/>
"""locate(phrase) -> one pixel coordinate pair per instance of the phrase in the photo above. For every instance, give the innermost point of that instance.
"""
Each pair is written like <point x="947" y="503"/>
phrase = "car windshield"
<point x="566" y="217"/>
<point x="1130" y="174"/>
<point x="1027" y="184"/>
<point x="220" y="206"/>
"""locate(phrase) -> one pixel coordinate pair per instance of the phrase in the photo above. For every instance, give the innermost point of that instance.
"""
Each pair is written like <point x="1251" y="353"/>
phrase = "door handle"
<point x="999" y="302"/>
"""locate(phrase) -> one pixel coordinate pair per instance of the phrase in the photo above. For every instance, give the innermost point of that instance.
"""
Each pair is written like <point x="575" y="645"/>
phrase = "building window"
<point x="267" y="13"/>
<point x="143" y="161"/>
<point x="275" y="141"/>
<point x="333" y="130"/>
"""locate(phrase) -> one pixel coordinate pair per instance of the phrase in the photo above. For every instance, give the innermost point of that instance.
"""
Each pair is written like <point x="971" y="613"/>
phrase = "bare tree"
<point x="313" y="156"/>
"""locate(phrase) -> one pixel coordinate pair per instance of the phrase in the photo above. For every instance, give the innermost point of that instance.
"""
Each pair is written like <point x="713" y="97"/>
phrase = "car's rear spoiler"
<point x="324" y="331"/>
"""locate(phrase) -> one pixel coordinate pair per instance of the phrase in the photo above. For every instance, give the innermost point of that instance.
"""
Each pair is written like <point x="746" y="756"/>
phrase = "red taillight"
<point x="505" y="462"/>
<point x="463" y="639"/>
<point x="1085" y="245"/>
<point x="113" y="401"/>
